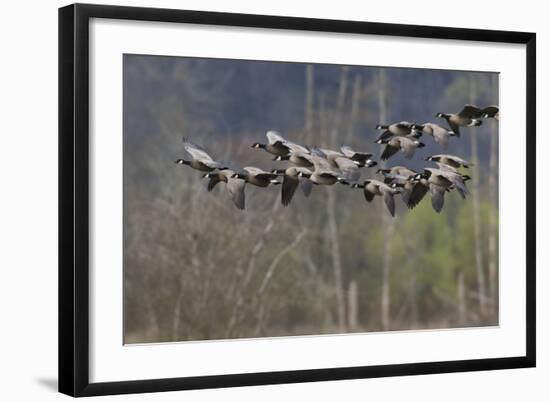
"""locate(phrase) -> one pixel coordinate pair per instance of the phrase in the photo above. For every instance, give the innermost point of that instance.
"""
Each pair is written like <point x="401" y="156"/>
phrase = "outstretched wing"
<point x="294" y="147"/>
<point x="387" y="194"/>
<point x="470" y="111"/>
<point x="389" y="151"/>
<point x="408" y="147"/>
<point x="417" y="194"/>
<point x="196" y="151"/>
<point x="274" y="137"/>
<point x="489" y="112"/>
<point x="319" y="159"/>
<point x="258" y="172"/>
<point x="438" y="199"/>
<point x="384" y="135"/>
<point x="361" y="157"/>
<point x="306" y="186"/>
<point x="214" y="179"/>
<point x="446" y="167"/>
<point x="347" y="151"/>
<point x="441" y="135"/>
<point x="211" y="163"/>
<point x="235" y="188"/>
<point x="290" y="183"/>
<point x="458" y="183"/>
<point x="349" y="169"/>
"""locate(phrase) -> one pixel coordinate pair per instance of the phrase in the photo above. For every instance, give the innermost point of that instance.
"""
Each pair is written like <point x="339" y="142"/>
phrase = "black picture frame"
<point x="74" y="195"/>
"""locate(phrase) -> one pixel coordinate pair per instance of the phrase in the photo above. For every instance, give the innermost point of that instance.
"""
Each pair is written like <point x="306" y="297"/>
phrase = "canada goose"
<point x="349" y="168"/>
<point x="291" y="180"/>
<point x="464" y="118"/>
<point x="486" y="112"/>
<point x="400" y="170"/>
<point x="441" y="135"/>
<point x="399" y="176"/>
<point x="449" y="160"/>
<point x="421" y="188"/>
<point x="446" y="179"/>
<point x="323" y="173"/>
<point x="298" y="155"/>
<point x="200" y="159"/>
<point x="235" y="186"/>
<point x="257" y="177"/>
<point x="360" y="158"/>
<point x="396" y="143"/>
<point x="372" y="188"/>
<point x="402" y="128"/>
<point x="276" y="144"/>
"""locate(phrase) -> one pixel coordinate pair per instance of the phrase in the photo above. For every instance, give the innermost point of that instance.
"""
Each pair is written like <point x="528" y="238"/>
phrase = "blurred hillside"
<point x="196" y="268"/>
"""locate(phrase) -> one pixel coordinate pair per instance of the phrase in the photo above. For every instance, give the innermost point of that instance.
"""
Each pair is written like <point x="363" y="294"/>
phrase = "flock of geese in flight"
<point x="319" y="166"/>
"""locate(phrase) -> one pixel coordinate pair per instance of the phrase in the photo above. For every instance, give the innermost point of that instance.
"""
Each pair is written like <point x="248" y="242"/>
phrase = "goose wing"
<point x="274" y="137"/>
<point x="349" y="169"/>
<point x="258" y="172"/>
<point x="441" y="135"/>
<point x="408" y="146"/>
<point x="235" y="188"/>
<point x="290" y="183"/>
<point x="294" y="147"/>
<point x="319" y="159"/>
<point x="384" y="136"/>
<point x="458" y="160"/>
<point x="361" y="157"/>
<point x="438" y="197"/>
<point x="446" y="167"/>
<point x="387" y="194"/>
<point x="489" y="112"/>
<point x="306" y="186"/>
<point x="196" y="151"/>
<point x="417" y="194"/>
<point x="458" y="182"/>
<point x="213" y="181"/>
<point x="389" y="151"/>
<point x="470" y="111"/>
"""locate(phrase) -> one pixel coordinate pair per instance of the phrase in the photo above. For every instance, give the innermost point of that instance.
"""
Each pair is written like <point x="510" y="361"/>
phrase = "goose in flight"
<point x="372" y="188"/>
<point x="234" y="186"/>
<point x="298" y="155"/>
<point x="449" y="160"/>
<point x="438" y="182"/>
<point x="402" y="128"/>
<point x="467" y="117"/>
<point x="399" y="176"/>
<point x="276" y="144"/>
<point x="397" y="143"/>
<point x="323" y="173"/>
<point x="201" y="160"/>
<point x="257" y="176"/>
<point x="291" y="180"/>
<point x="441" y="135"/>
<point x="338" y="160"/>
<point x="360" y="158"/>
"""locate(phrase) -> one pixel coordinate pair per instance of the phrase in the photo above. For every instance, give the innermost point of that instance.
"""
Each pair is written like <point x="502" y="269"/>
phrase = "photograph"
<point x="271" y="198"/>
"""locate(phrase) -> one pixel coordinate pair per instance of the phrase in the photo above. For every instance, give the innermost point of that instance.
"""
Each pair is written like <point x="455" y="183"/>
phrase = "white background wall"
<point x="28" y="200"/>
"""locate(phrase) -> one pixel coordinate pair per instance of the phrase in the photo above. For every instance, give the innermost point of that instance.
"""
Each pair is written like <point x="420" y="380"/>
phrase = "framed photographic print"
<point x="248" y="199"/>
